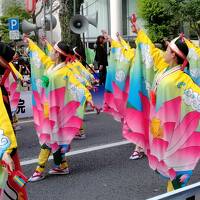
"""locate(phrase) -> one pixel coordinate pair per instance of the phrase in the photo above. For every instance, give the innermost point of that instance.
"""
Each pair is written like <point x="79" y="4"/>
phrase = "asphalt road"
<point x="104" y="174"/>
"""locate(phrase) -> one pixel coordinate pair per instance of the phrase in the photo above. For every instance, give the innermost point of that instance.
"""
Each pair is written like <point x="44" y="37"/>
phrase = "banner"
<point x="24" y="109"/>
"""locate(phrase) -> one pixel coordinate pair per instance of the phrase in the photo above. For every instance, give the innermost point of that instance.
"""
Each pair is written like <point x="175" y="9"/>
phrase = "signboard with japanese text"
<point x="24" y="109"/>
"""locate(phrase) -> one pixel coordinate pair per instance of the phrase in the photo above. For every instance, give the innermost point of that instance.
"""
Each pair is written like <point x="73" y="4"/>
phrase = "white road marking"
<point x="86" y="150"/>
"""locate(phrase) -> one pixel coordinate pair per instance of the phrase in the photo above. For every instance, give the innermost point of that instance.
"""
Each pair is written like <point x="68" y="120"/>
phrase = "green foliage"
<point x="161" y="18"/>
<point x="191" y="13"/>
<point x="11" y="11"/>
<point x="16" y="10"/>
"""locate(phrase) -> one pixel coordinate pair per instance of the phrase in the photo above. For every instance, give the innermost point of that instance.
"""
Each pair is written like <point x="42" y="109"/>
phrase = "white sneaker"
<point x="80" y="136"/>
<point x="37" y="176"/>
<point x="58" y="170"/>
<point x="136" y="155"/>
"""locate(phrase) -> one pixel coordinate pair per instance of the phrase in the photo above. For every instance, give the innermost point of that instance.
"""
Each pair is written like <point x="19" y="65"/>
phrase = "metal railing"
<point x="190" y="192"/>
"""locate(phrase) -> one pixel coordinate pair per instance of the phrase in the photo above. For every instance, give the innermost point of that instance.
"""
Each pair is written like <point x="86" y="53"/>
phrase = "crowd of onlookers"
<point x="22" y="64"/>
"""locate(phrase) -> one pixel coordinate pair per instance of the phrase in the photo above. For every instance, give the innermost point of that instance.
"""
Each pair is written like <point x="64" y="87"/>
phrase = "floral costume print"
<point x="166" y="124"/>
<point x="58" y="100"/>
<point x="58" y="106"/>
<point x="117" y="79"/>
<point x="13" y="89"/>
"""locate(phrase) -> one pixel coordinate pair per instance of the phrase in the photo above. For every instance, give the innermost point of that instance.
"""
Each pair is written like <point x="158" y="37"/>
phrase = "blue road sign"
<point x="13" y="24"/>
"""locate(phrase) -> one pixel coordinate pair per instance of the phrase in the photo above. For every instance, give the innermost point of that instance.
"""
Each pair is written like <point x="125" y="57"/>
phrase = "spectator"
<point x="101" y="59"/>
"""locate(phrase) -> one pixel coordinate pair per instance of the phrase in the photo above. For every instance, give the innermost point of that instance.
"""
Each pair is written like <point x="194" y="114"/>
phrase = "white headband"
<point x="174" y="48"/>
<point x="59" y="50"/>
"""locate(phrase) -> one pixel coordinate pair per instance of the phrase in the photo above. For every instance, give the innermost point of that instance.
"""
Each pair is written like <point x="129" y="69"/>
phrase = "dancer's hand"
<point x="118" y="36"/>
<point x="100" y="67"/>
<point x="8" y="160"/>
<point x="89" y="87"/>
<point x="106" y="36"/>
<point x="25" y="38"/>
<point x="134" y="25"/>
<point x="43" y="40"/>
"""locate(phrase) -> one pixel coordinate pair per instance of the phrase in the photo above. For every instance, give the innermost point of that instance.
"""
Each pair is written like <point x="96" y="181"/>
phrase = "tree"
<point x="65" y="14"/>
<point x="162" y="18"/>
<point x="190" y="12"/>
<point x="167" y="17"/>
<point x="14" y="10"/>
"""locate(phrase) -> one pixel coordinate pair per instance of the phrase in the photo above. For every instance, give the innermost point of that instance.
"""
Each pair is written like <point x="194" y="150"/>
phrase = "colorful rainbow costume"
<point x="79" y="71"/>
<point x="58" y="100"/>
<point x="166" y="124"/>
<point x="13" y="88"/>
<point x="117" y="80"/>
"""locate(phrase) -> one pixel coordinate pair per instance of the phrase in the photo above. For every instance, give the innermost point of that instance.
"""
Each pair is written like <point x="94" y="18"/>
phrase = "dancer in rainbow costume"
<point x="163" y="107"/>
<point x="58" y="105"/>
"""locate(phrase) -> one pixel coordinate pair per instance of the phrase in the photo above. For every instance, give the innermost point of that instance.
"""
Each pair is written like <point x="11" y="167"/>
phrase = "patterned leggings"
<point x="58" y="157"/>
<point x="181" y="180"/>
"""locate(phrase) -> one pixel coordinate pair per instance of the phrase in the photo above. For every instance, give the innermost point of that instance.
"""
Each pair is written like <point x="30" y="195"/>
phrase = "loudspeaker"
<point x="47" y="21"/>
<point x="79" y="23"/>
<point x="28" y="27"/>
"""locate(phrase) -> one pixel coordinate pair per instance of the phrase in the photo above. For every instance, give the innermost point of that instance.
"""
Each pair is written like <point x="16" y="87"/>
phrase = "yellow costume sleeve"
<point x="76" y="73"/>
<point x="49" y="47"/>
<point x="115" y="44"/>
<point x="194" y="60"/>
<point x="83" y="71"/>
<point x="124" y="43"/>
<point x="157" y="55"/>
<point x="43" y="58"/>
<point x="6" y="125"/>
<point x="192" y="46"/>
<point x="120" y="43"/>
<point x="15" y="71"/>
<point x="124" y="48"/>
<point x="74" y="80"/>
<point x="128" y="53"/>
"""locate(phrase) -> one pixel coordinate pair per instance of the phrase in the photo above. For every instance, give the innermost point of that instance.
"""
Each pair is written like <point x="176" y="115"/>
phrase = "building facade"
<point x="113" y="16"/>
<point x="56" y="32"/>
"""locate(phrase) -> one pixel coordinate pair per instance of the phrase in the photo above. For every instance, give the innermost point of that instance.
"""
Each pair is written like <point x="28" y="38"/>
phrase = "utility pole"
<point x="83" y="35"/>
<point x="74" y="3"/>
<point x="44" y="24"/>
<point x="51" y="18"/>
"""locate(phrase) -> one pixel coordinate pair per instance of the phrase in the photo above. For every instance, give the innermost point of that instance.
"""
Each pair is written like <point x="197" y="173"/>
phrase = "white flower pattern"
<point x="147" y="59"/>
<point x="39" y="85"/>
<point x="77" y="93"/>
<point x="35" y="60"/>
<point x="192" y="99"/>
<point x="4" y="142"/>
<point x="120" y="76"/>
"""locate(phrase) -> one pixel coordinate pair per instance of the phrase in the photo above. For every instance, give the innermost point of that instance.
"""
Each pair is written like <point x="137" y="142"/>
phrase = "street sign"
<point x="14" y="35"/>
<point x="13" y="26"/>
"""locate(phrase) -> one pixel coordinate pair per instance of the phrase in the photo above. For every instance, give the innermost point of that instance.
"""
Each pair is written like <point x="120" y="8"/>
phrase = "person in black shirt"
<point x="101" y="59"/>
